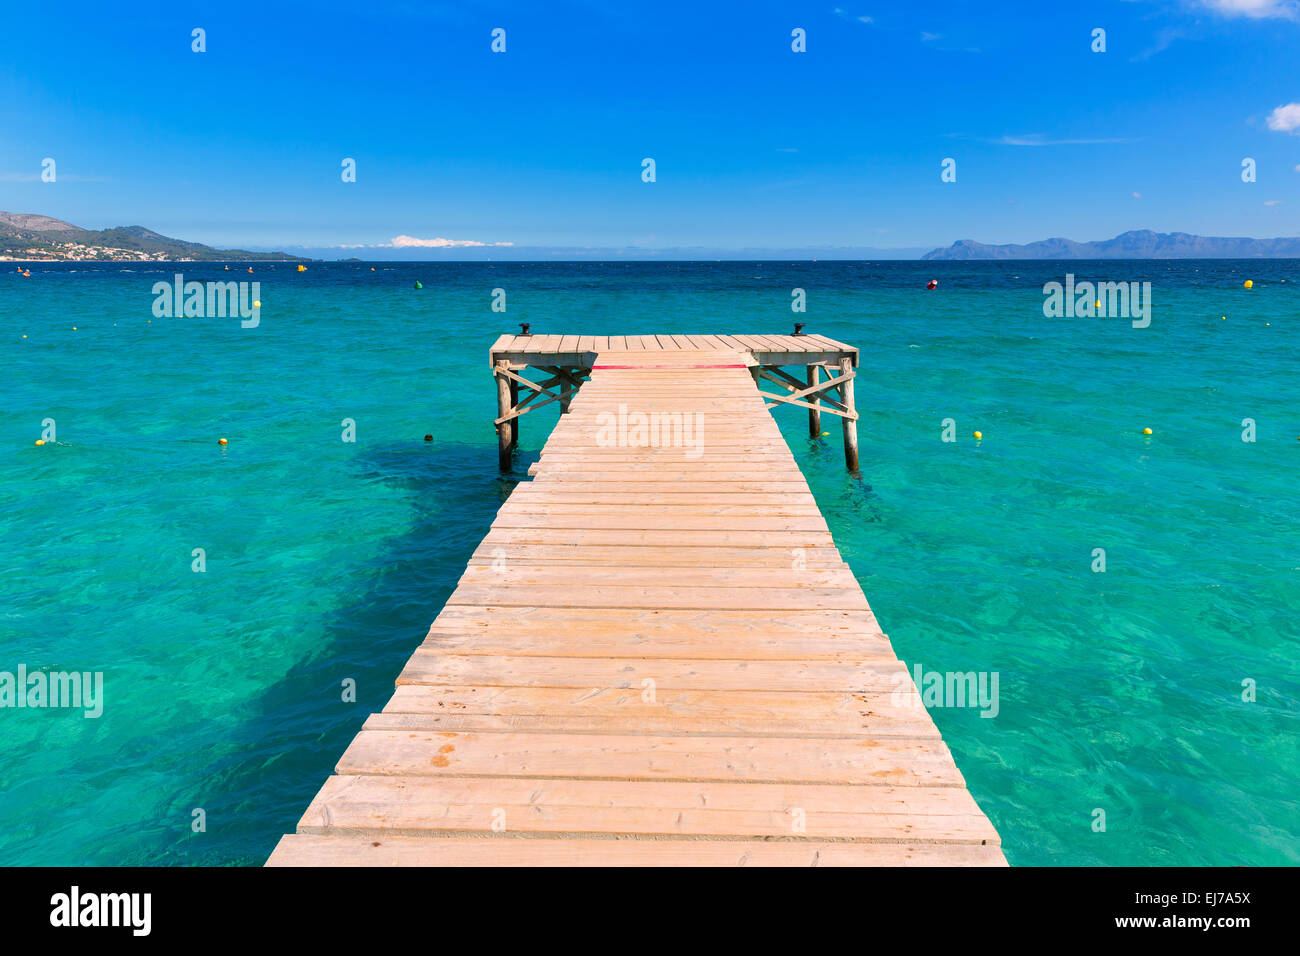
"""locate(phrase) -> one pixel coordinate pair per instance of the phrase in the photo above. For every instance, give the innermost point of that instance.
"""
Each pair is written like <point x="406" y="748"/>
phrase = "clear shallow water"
<point x="327" y="560"/>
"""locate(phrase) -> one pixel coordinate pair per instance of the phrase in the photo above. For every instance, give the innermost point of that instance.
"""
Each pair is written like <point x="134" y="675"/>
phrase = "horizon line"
<point x="933" y="262"/>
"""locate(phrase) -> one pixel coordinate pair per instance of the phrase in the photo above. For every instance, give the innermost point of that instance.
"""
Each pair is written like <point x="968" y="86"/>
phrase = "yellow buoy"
<point x="257" y="304"/>
<point x="1146" y="431"/>
<point x="40" y="441"/>
<point x="222" y="441"/>
<point x="1098" y="303"/>
<point x="824" y="434"/>
<point x="1224" y="317"/>
<point x="74" y="328"/>
<point x="1248" y="284"/>
<point x="979" y="434"/>
<point x="302" y="268"/>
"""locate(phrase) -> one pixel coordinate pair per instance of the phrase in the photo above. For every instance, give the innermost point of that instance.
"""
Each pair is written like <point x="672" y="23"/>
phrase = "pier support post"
<point x="506" y="430"/>
<point x="514" y="422"/>
<point x="850" y="424"/>
<point x="814" y="414"/>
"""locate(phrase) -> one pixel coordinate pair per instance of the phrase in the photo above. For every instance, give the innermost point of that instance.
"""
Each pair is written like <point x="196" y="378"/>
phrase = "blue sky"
<point x="755" y="146"/>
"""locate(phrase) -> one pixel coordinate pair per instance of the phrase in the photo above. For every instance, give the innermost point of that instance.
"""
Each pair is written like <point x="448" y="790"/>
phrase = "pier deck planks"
<point x="654" y="658"/>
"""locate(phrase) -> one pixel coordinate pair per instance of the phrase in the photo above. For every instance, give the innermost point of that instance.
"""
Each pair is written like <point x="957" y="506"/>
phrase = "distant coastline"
<point x="1136" y="244"/>
<point x="25" y="237"/>
<point x="164" y="261"/>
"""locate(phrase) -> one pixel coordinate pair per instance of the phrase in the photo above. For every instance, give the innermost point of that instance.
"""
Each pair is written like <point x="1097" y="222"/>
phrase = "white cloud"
<point x="1137" y="195"/>
<point x="1254" y="9"/>
<point x="1272" y="202"/>
<point x="411" y="242"/>
<point x="845" y="15"/>
<point x="1038" y="139"/>
<point x="1285" y="119"/>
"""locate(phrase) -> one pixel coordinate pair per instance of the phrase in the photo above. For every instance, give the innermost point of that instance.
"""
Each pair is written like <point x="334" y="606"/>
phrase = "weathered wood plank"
<point x="713" y="495"/>
<point x="512" y="573"/>
<point x="706" y="489"/>
<point x="661" y="537"/>
<point x="415" y="806"/>
<point x="544" y="621"/>
<point x="666" y="674"/>
<point x="679" y="596"/>
<point x="893" y="761"/>
<point x="736" y="647"/>
<point x="498" y="556"/>
<point x="629" y="711"/>
<point x="697" y="524"/>
<point x="506" y="850"/>
<point x="672" y="719"/>
<point x="741" y="513"/>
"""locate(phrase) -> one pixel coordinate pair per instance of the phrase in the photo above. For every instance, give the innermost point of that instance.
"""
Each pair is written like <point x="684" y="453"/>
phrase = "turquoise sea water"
<point x="326" y="560"/>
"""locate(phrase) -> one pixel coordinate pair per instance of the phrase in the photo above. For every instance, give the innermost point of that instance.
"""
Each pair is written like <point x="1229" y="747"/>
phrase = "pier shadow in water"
<point x="258" y="786"/>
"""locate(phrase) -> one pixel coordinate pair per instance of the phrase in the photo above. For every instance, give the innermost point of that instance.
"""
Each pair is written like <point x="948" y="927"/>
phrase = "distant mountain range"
<point x="1137" y="244"/>
<point x="25" y="236"/>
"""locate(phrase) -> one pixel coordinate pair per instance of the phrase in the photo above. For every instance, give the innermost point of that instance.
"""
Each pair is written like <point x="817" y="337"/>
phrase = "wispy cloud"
<point x="844" y="14"/>
<point x="1254" y="9"/>
<point x="1285" y="119"/>
<point x="412" y="242"/>
<point x="893" y="24"/>
<point x="1038" y="139"/>
<point x="1165" y="38"/>
<point x="1190" y="26"/>
<point x="1272" y="202"/>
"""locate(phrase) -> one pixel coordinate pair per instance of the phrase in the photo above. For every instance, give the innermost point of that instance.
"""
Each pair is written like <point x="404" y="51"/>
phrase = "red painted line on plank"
<point x="595" y="367"/>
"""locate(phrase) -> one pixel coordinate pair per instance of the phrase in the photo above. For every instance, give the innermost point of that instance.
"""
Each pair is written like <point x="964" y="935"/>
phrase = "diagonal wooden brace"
<point x="826" y="403"/>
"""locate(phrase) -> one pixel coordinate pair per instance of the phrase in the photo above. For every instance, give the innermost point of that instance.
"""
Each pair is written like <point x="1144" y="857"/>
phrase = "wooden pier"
<point x="568" y="360"/>
<point x="656" y="656"/>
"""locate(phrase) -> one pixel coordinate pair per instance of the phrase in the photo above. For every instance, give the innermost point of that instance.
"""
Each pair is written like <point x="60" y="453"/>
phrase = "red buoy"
<point x="932" y="284"/>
